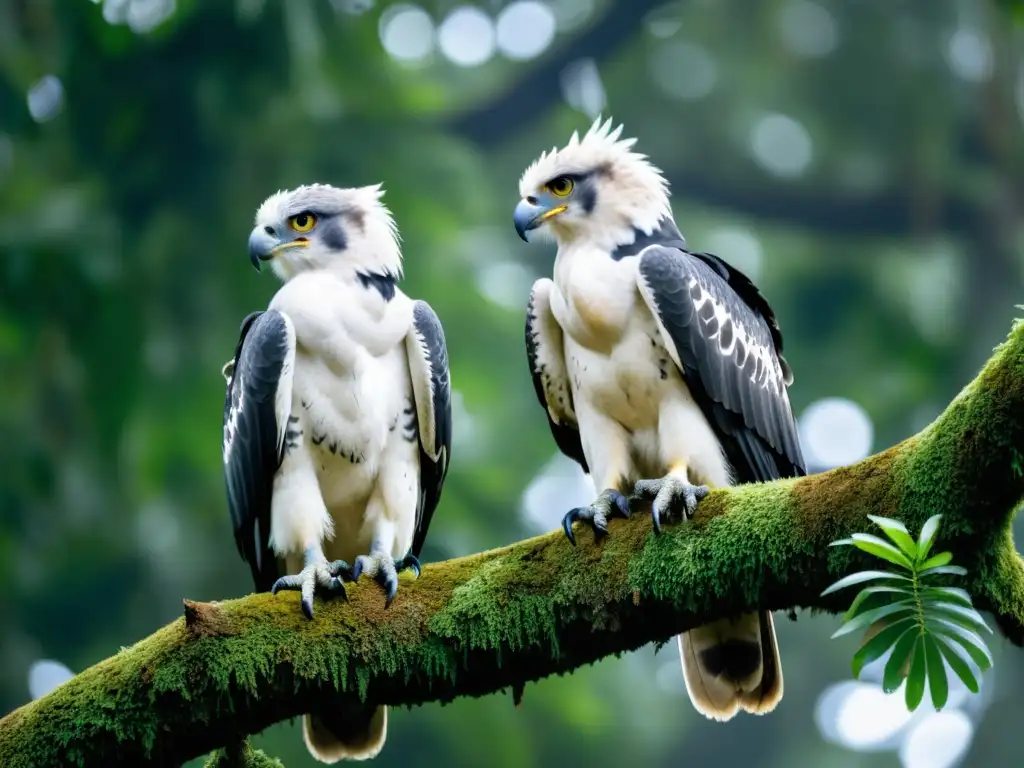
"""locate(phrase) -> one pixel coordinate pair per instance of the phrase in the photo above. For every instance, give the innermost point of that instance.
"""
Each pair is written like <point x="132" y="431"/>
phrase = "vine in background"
<point x="925" y="625"/>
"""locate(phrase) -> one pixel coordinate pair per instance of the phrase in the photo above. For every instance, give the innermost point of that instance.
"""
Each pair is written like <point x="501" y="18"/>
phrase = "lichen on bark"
<point x="479" y="624"/>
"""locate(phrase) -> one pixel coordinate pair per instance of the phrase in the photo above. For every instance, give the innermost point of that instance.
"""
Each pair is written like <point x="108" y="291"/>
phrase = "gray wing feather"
<point x="432" y="390"/>
<point x="546" y="358"/>
<point x="257" y="405"/>
<point x="724" y="338"/>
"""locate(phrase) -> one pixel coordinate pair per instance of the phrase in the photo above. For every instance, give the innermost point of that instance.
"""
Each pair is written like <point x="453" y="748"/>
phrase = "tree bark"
<point x="476" y="625"/>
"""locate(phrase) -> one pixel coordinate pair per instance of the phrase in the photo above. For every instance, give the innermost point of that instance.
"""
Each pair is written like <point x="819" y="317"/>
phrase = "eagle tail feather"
<point x="345" y="734"/>
<point x="731" y="665"/>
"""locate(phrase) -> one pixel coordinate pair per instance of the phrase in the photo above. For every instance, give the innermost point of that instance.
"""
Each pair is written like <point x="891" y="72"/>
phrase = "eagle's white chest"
<point x="352" y="438"/>
<point x="621" y="372"/>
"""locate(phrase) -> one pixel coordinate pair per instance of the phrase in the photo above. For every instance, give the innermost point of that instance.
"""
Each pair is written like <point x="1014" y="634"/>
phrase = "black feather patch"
<point x="430" y="337"/>
<point x="742" y="398"/>
<point x="666" y="233"/>
<point x="567" y="437"/>
<point x="333" y="234"/>
<point x="252" y="454"/>
<point x="383" y="283"/>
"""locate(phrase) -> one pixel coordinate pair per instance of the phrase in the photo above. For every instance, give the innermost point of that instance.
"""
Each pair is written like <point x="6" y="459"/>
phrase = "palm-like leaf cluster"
<point x="923" y="623"/>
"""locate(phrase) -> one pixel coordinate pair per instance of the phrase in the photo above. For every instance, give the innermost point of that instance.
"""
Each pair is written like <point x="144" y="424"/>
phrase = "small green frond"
<point x="947" y="594"/>
<point x="881" y="548"/>
<point x="897" y="611"/>
<point x="864" y="576"/>
<point x="969" y="640"/>
<point x="927" y="536"/>
<point x="942" y="570"/>
<point x="943" y="558"/>
<point x="896" y="531"/>
<point x="914" y="691"/>
<point x="863" y="599"/>
<point x="938" y="684"/>
<point x="893" y="674"/>
<point x="956" y="662"/>
<point x="965" y="617"/>
<point x="876" y="647"/>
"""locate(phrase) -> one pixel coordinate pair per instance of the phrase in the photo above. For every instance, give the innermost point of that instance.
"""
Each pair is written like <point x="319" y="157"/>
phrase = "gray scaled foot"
<point x="609" y="503"/>
<point x="671" y="496"/>
<point x="318" y="577"/>
<point x="385" y="569"/>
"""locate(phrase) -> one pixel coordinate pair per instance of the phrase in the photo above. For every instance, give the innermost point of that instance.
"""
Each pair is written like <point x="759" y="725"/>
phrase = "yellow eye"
<point x="302" y="222"/>
<point x="561" y="186"/>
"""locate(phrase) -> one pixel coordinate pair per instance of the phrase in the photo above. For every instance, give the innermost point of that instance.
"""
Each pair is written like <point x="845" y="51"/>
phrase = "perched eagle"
<point x="661" y="373"/>
<point x="337" y="418"/>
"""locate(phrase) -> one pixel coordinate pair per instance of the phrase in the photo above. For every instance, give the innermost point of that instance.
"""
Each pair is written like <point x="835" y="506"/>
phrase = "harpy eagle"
<point x="661" y="373"/>
<point x="337" y="418"/>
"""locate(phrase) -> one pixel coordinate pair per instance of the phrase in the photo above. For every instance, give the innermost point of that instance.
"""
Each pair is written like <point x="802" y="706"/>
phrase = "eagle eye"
<point x="302" y="222"/>
<point x="561" y="186"/>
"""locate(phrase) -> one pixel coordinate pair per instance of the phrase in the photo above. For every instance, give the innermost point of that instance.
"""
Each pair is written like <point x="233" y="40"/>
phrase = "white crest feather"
<point x="636" y="190"/>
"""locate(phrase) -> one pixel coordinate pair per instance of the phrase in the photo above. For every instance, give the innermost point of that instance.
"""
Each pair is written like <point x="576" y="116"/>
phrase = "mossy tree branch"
<point x="479" y="624"/>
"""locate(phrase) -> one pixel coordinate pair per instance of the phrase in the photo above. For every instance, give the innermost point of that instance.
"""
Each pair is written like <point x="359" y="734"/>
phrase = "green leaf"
<point x="899" y="534"/>
<point x="943" y="558"/>
<point x="901" y="651"/>
<point x="942" y="570"/>
<point x="938" y="685"/>
<point x="971" y="641"/>
<point x="860" y="577"/>
<point x="841" y="542"/>
<point x="915" y="679"/>
<point x="956" y="662"/>
<point x="927" y="536"/>
<point x="881" y="548"/>
<point x="862" y="599"/>
<point x="897" y="610"/>
<point x="963" y="616"/>
<point x="876" y="647"/>
<point x="947" y="594"/>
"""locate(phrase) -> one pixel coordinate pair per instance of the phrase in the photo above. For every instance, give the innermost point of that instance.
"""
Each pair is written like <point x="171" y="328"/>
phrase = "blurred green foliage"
<point x="893" y="262"/>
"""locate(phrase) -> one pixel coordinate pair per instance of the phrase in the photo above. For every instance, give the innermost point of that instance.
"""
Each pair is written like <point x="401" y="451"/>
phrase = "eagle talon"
<point x="316" y="577"/>
<point x="669" y="495"/>
<point x="384" y="570"/>
<point x="610" y="503"/>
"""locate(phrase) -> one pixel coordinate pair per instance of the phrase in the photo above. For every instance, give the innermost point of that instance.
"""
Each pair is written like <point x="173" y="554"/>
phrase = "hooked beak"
<point x="264" y="246"/>
<point x="531" y="215"/>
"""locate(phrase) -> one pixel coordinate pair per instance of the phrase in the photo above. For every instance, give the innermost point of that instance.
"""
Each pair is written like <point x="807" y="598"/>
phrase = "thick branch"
<point x="478" y="624"/>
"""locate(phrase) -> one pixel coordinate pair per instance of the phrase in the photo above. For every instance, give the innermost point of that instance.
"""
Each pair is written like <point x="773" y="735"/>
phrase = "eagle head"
<point x="595" y="189"/>
<point x="320" y="227"/>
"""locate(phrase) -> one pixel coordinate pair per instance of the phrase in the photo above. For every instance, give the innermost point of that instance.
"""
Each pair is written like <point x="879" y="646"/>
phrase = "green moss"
<point x="242" y="756"/>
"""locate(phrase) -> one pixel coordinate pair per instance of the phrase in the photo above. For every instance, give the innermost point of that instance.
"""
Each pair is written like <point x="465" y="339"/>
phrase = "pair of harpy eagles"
<point x="659" y="370"/>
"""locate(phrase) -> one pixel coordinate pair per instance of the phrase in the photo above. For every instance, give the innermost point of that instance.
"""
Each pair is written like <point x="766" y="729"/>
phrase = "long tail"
<point x="345" y="734"/>
<point x="732" y="664"/>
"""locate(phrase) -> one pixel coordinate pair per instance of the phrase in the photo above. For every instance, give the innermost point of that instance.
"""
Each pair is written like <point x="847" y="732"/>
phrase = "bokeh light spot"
<point x="407" y="33"/>
<point x="835" y="431"/>
<point x="781" y="145"/>
<point x="466" y="36"/>
<point x="46" y="98"/>
<point x="524" y="29"/>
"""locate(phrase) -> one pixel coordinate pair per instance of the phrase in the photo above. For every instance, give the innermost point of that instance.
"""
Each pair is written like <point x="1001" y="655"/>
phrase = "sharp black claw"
<point x="357" y="570"/>
<point x="656" y="518"/>
<point x="307" y="608"/>
<point x="409" y="562"/>
<point x="621" y="504"/>
<point x="570" y="517"/>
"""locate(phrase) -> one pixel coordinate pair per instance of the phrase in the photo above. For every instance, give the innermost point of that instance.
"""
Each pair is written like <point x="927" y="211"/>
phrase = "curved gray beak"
<point x="261" y="246"/>
<point x="529" y="215"/>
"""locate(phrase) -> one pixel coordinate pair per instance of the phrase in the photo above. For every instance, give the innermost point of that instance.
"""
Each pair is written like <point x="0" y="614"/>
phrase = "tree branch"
<point x="475" y="625"/>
